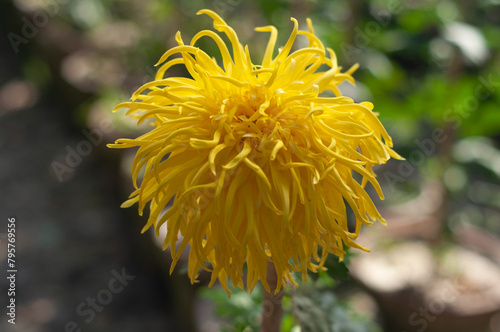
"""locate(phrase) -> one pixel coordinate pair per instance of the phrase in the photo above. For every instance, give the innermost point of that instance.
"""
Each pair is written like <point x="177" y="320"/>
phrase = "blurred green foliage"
<point x="312" y="306"/>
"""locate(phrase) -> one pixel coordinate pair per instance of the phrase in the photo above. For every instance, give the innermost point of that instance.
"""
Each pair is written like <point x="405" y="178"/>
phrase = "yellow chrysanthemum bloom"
<point x="258" y="162"/>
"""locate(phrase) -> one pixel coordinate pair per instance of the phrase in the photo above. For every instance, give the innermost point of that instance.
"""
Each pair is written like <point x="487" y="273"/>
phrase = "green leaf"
<point x="323" y="312"/>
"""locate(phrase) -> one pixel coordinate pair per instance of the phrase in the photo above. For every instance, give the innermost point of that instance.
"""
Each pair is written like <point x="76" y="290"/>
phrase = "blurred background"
<point x="432" y="69"/>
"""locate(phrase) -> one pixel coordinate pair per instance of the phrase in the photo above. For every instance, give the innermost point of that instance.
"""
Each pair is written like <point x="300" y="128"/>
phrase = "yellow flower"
<point x="257" y="161"/>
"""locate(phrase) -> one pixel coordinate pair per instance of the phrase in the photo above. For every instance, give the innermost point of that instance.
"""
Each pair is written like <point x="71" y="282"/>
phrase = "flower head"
<point x="256" y="160"/>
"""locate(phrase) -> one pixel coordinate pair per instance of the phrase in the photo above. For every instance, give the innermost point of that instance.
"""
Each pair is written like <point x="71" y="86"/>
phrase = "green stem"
<point x="272" y="309"/>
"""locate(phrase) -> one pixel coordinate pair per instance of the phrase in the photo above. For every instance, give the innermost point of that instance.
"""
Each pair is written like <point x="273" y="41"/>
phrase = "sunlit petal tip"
<point x="204" y="11"/>
<point x="353" y="68"/>
<point x="128" y="203"/>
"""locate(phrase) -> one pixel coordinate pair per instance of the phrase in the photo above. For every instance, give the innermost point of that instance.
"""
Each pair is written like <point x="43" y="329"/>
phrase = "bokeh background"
<point x="432" y="69"/>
